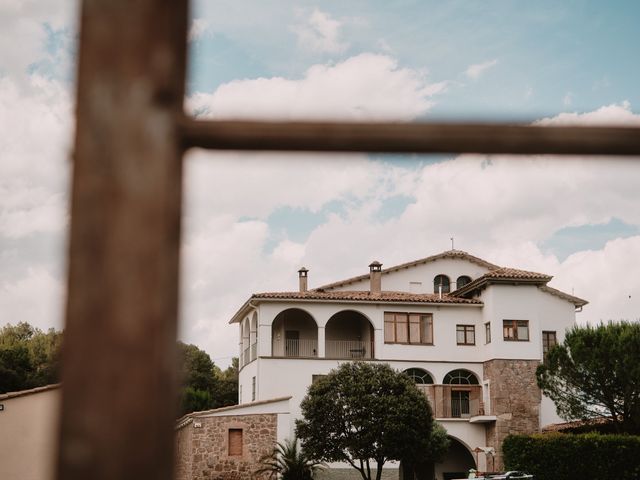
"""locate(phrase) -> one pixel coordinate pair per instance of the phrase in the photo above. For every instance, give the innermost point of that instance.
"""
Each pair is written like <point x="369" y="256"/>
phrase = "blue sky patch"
<point x="569" y="240"/>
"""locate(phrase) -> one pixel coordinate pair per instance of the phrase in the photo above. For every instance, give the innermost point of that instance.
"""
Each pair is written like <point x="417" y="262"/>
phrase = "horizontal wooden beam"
<point x="410" y="137"/>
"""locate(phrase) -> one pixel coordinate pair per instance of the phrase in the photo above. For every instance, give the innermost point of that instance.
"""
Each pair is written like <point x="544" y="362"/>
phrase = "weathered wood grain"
<point x="119" y="379"/>
<point x="410" y="137"/>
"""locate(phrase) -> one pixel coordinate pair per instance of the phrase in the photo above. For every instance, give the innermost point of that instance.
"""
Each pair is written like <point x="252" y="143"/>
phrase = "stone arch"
<point x="349" y="334"/>
<point x="294" y="333"/>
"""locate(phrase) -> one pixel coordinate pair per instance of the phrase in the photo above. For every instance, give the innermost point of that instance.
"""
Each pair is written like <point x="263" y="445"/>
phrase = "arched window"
<point x="462" y="281"/>
<point x="441" y="281"/>
<point x="460" y="377"/>
<point x="419" y="376"/>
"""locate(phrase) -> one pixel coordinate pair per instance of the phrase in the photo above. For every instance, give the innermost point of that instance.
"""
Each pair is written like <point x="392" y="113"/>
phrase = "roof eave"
<point x="362" y="301"/>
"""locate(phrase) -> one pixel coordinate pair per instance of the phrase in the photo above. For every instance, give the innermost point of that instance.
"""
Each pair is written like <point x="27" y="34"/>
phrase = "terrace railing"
<point x="355" y="349"/>
<point x="295" y="348"/>
<point x="454" y="401"/>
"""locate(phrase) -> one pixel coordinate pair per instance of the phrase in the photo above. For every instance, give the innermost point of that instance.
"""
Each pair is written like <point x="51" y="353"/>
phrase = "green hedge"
<point x="569" y="457"/>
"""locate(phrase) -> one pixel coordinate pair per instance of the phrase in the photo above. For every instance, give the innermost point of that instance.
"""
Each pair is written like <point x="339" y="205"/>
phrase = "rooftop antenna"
<point x="452" y="243"/>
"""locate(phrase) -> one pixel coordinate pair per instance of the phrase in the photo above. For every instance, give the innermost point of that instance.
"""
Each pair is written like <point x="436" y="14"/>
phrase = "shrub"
<point x="568" y="457"/>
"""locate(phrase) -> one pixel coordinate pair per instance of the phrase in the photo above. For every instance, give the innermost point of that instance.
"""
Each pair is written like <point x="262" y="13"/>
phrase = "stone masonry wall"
<point x="183" y="453"/>
<point x="515" y="399"/>
<point x="209" y="457"/>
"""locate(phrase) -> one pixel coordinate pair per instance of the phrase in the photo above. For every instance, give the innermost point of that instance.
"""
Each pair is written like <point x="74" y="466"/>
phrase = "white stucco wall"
<point x="419" y="279"/>
<point x="28" y="429"/>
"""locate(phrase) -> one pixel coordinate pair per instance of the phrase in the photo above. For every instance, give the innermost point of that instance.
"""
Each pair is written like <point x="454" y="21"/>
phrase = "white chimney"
<point x="375" y="275"/>
<point x="302" y="277"/>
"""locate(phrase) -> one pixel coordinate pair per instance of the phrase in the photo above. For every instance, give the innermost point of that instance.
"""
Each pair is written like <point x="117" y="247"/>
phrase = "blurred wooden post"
<point x="119" y="382"/>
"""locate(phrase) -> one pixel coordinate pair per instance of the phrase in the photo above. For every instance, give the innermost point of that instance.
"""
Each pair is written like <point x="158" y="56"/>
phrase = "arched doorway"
<point x="294" y="333"/>
<point x="456" y="463"/>
<point x="349" y="334"/>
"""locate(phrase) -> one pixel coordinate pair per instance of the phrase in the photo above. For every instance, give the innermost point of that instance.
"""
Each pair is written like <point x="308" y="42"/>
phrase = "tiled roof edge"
<point x="22" y="393"/>
<point x="460" y="254"/>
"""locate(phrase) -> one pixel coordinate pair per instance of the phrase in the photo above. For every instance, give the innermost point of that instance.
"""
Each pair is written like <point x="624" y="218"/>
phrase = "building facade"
<point x="470" y="333"/>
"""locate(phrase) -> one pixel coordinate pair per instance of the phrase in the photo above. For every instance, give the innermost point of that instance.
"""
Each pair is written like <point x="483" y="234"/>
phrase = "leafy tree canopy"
<point x="595" y="373"/>
<point x="362" y="412"/>
<point x="205" y="385"/>
<point x="29" y="357"/>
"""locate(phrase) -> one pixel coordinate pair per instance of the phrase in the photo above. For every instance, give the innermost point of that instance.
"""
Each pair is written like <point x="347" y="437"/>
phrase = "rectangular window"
<point x="487" y="332"/>
<point x="235" y="442"/>
<point x="549" y="340"/>
<point x="515" y="330"/>
<point x="466" y="334"/>
<point x="412" y="328"/>
<point x="253" y="389"/>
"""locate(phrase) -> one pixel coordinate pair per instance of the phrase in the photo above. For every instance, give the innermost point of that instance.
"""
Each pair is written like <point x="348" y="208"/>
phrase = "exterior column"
<point x="321" y="342"/>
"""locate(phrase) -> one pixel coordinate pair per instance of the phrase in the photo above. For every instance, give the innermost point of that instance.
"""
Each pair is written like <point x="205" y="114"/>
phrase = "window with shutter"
<point x="235" y="442"/>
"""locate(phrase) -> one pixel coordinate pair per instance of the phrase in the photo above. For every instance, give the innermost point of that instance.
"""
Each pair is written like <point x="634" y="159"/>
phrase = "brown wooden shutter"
<point x="235" y="441"/>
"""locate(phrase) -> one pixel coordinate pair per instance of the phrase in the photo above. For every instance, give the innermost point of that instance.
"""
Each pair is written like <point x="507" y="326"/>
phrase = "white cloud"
<point x="320" y="32"/>
<point x="475" y="71"/>
<point x="366" y="86"/>
<point x="198" y="28"/>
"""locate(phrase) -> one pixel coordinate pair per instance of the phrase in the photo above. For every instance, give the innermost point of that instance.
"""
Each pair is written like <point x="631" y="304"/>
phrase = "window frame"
<point x="446" y="288"/>
<point x="487" y="333"/>
<point x="424" y="332"/>
<point x="230" y="432"/>
<point x="515" y="325"/>
<point x="253" y="388"/>
<point x="465" y="329"/>
<point x="546" y="334"/>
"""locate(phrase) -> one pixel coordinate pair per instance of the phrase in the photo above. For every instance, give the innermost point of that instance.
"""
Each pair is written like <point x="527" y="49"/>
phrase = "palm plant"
<point x="288" y="461"/>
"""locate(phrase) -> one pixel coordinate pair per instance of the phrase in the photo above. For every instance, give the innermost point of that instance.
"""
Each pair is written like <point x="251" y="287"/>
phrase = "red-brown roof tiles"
<point x="459" y="254"/>
<point x="366" y="296"/>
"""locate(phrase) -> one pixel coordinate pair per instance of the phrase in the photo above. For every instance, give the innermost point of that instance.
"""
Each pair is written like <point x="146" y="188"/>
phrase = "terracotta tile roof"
<point x="576" y="424"/>
<point x="366" y="296"/>
<point x="503" y="274"/>
<point x="514" y="273"/>
<point x="188" y="418"/>
<point x="22" y="393"/>
<point x="577" y="301"/>
<point x="459" y="254"/>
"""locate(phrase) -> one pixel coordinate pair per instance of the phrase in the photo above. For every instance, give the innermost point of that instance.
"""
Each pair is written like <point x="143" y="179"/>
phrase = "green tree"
<point x="288" y="461"/>
<point x="204" y="385"/>
<point x="29" y="357"/>
<point x="363" y="412"/>
<point x="595" y="373"/>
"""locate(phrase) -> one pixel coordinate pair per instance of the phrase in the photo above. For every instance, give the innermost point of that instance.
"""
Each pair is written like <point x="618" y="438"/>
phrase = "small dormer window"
<point x="441" y="284"/>
<point x="462" y="281"/>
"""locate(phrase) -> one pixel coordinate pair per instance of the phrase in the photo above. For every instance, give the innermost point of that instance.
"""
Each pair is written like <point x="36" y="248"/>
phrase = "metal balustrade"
<point x="454" y="401"/>
<point x="355" y="349"/>
<point x="295" y="348"/>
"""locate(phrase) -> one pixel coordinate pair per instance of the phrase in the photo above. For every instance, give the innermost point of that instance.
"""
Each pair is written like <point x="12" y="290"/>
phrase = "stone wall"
<point x="514" y="398"/>
<point x="203" y="450"/>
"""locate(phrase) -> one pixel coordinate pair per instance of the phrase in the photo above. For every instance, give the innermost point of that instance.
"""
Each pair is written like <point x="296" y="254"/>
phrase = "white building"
<point x="470" y="333"/>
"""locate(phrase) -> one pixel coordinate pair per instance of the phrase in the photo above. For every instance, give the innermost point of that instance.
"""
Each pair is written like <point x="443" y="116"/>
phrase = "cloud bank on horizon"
<point x="252" y="219"/>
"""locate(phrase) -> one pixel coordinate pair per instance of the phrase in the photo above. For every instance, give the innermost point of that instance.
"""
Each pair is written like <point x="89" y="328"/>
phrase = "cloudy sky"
<point x="251" y="220"/>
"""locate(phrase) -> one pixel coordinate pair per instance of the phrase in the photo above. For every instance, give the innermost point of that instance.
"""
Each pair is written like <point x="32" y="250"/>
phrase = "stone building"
<point x="469" y="332"/>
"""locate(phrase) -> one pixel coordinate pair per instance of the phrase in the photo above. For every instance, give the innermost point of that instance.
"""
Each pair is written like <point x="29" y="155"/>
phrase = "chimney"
<point x="375" y="270"/>
<point x="302" y="277"/>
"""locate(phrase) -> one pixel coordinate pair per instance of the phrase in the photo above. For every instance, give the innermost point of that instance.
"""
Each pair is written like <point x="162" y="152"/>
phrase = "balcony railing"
<point x="348" y="349"/>
<point x="248" y="355"/>
<point x="454" y="401"/>
<point x="295" y="348"/>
